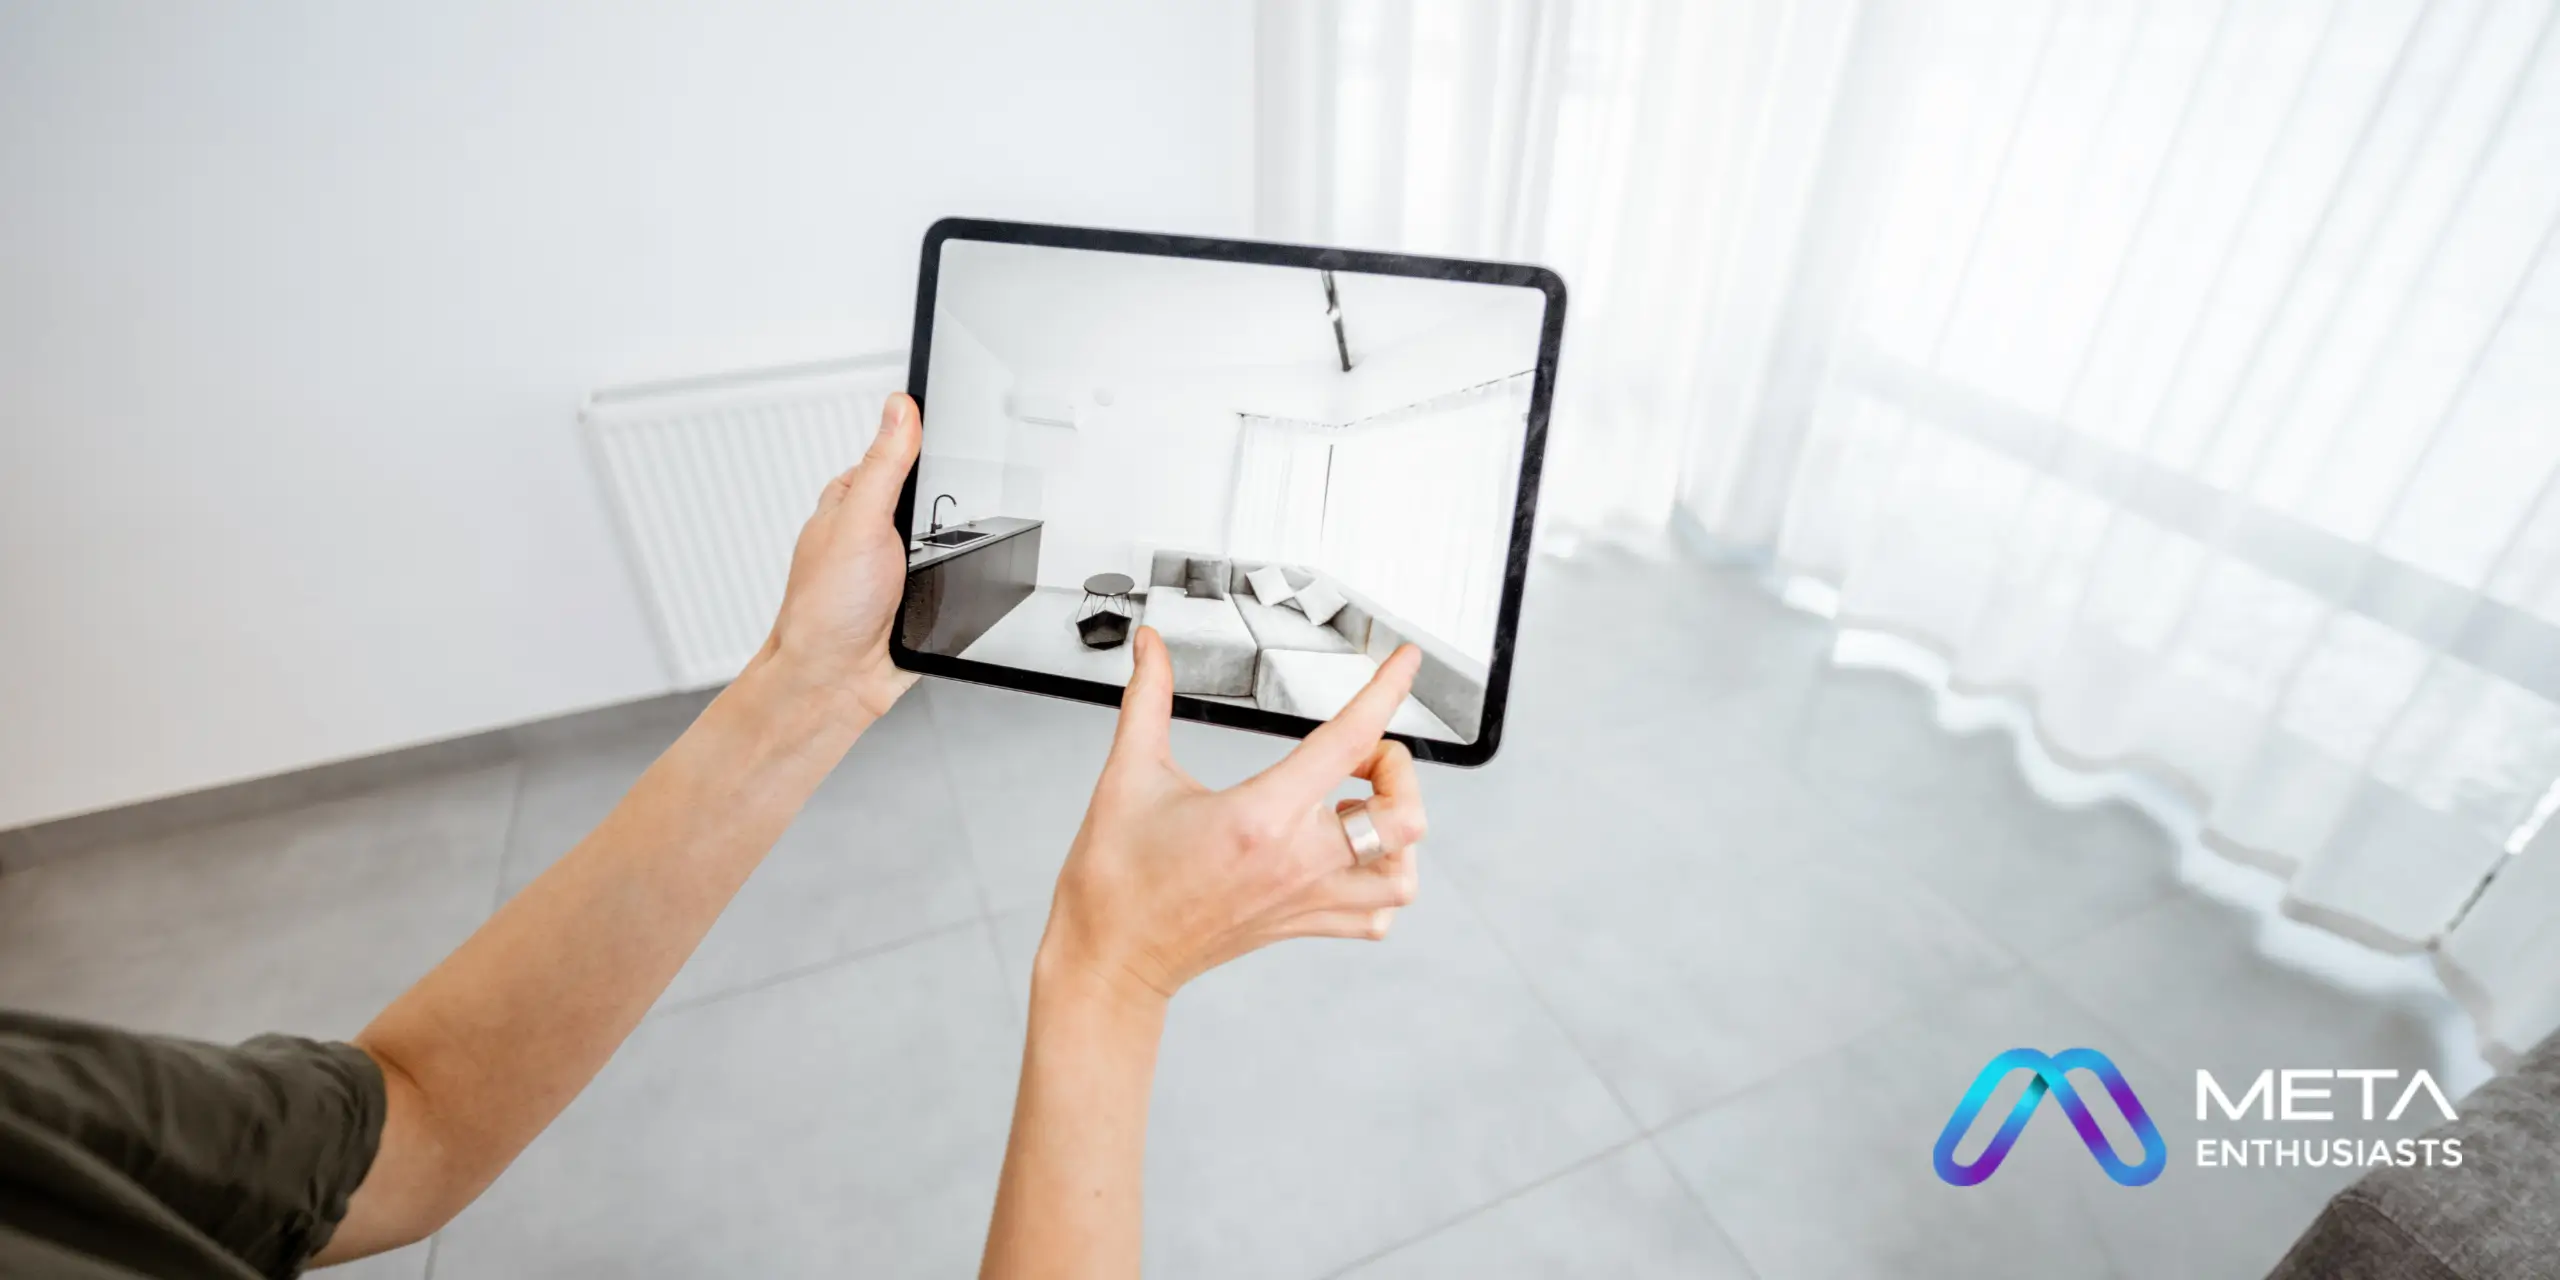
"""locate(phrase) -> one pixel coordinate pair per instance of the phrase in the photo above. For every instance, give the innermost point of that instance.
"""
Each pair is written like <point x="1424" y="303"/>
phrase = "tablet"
<point x="1286" y="460"/>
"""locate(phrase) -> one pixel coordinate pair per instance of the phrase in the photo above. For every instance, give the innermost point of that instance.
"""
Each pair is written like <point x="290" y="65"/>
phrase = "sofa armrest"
<point x="1449" y="683"/>
<point x="2495" y="1216"/>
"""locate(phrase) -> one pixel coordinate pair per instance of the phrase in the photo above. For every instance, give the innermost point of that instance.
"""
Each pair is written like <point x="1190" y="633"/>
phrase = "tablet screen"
<point x="1286" y="468"/>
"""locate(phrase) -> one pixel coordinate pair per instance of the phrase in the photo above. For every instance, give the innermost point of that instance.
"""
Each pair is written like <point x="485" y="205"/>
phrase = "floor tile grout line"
<point x="1610" y="1152"/>
<point x="2023" y="953"/>
<point x="1772" y="1079"/>
<point x="1911" y="1009"/>
<point x="1496" y="1202"/>
<point x="2046" y="979"/>
<point x="984" y="920"/>
<point x="1648" y="1133"/>
<point x="1699" y="1199"/>
<point x="2017" y="963"/>
<point x="786" y="976"/>
<point x="995" y="947"/>
<point x="1775" y="1076"/>
<point x="1502" y="947"/>
<point x="968" y="849"/>
<point x="951" y="791"/>
<point x="1914" y="884"/>
<point x="2013" y="961"/>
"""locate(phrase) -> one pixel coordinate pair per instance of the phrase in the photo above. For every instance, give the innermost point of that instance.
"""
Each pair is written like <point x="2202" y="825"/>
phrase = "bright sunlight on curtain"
<point x="2185" y="369"/>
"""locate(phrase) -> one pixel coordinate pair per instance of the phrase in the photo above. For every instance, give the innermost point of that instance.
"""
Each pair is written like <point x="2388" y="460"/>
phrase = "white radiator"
<point x="710" y="480"/>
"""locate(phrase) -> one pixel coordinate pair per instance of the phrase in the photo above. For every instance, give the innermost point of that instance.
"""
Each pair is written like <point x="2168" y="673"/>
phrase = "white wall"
<point x="1154" y="471"/>
<point x="970" y="450"/>
<point x="298" y="302"/>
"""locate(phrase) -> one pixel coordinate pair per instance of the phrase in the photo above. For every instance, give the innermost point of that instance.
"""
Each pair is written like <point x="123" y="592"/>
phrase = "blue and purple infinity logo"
<point x="2052" y="1075"/>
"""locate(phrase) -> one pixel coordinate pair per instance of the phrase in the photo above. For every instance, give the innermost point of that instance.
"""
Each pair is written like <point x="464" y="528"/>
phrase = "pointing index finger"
<point x="1345" y="742"/>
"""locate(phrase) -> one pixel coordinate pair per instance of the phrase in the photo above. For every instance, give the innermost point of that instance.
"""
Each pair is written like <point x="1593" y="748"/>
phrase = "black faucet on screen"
<point x="938" y="500"/>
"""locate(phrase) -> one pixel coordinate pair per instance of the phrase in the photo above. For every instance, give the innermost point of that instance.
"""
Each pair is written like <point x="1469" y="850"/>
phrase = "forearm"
<point x="1068" y="1203"/>
<point x="485" y="1050"/>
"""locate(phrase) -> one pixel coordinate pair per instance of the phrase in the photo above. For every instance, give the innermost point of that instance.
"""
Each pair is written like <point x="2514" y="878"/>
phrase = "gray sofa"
<point x="1209" y="654"/>
<point x="2496" y="1216"/>
<point x="1212" y="650"/>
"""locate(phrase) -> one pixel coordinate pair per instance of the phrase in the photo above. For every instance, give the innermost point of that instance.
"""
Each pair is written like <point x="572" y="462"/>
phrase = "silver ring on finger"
<point x="1367" y="845"/>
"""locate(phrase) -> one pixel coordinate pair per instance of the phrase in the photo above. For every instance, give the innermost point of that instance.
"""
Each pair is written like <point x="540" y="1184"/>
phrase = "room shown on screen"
<point x="1286" y="472"/>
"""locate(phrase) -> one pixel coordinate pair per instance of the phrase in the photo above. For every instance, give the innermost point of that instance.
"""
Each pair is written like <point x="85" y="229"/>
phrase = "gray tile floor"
<point x="1701" y="964"/>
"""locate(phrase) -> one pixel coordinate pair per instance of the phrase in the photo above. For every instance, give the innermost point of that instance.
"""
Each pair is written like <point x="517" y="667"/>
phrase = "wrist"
<point x="790" y="707"/>
<point x="1063" y="973"/>
<point x="859" y="691"/>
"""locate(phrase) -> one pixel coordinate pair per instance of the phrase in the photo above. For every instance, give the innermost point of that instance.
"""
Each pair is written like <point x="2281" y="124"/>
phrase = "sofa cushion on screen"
<point x="1270" y="585"/>
<point x="1283" y="627"/>
<point x="1211" y="650"/>
<point x="1320" y="601"/>
<point x="1205" y="579"/>
<point x="1296" y="577"/>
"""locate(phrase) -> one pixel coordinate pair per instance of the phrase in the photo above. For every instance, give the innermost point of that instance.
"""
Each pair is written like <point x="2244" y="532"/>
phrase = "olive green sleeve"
<point x="257" y="1146"/>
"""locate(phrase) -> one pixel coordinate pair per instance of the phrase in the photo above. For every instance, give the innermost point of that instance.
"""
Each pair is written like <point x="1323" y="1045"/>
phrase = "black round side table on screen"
<point x="1103" y="617"/>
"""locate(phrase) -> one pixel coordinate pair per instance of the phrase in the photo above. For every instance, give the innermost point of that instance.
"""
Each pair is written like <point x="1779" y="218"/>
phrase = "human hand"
<point x="1168" y="879"/>
<point x="848" y="573"/>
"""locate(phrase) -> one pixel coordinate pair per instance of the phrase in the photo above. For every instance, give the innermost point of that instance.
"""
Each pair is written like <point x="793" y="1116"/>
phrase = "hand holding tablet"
<point x="1301" y="461"/>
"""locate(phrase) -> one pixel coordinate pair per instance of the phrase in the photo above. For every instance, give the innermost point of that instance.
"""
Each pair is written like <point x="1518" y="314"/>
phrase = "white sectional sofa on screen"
<point x="1225" y="642"/>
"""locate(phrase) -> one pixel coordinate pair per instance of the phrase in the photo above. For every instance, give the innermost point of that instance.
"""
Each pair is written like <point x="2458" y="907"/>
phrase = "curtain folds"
<point x="1278" y="509"/>
<point x="2187" y="370"/>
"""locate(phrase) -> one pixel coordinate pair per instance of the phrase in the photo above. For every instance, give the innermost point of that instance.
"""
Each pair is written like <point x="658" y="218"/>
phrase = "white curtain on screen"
<point x="2189" y="370"/>
<point x="1278" y="509"/>
<point x="1407" y="508"/>
<point x="1418" y="516"/>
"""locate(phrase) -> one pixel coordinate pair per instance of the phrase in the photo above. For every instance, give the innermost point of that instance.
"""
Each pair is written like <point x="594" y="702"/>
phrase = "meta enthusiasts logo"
<point x="2052" y="1075"/>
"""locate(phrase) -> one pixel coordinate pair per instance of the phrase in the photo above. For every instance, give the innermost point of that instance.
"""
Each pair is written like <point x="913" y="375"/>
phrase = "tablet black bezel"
<point x="1524" y="508"/>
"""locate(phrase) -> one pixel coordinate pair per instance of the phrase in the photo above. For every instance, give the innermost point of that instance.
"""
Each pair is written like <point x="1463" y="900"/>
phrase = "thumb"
<point x="1146" y="710"/>
<point x="875" y="482"/>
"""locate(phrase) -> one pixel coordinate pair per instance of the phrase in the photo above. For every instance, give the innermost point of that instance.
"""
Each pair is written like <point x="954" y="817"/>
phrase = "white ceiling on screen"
<point x="1071" y="312"/>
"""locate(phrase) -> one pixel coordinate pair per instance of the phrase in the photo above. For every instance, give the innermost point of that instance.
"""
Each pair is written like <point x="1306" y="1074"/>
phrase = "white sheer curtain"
<point x="2190" y="369"/>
